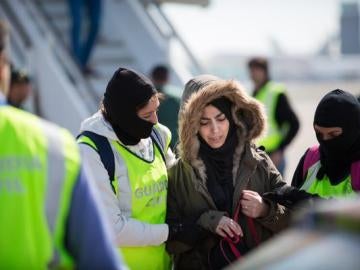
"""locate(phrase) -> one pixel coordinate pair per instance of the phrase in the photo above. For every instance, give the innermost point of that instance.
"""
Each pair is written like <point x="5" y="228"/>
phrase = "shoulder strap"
<point x="157" y="139"/>
<point x="355" y="175"/>
<point x="105" y="152"/>
<point x="311" y="157"/>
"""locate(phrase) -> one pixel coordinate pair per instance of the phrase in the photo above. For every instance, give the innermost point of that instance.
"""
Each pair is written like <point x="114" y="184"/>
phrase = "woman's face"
<point x="149" y="111"/>
<point x="214" y="127"/>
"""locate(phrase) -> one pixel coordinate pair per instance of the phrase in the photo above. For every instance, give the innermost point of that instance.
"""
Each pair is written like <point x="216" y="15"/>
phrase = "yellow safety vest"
<point x="148" y="182"/>
<point x="39" y="164"/>
<point x="324" y="188"/>
<point x="269" y="95"/>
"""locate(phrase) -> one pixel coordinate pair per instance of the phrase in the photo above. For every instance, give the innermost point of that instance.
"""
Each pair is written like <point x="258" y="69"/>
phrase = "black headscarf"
<point x="219" y="161"/>
<point x="338" y="109"/>
<point x="125" y="92"/>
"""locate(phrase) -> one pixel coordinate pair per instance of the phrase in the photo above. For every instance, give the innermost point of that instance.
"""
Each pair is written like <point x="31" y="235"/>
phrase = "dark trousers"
<point x="83" y="43"/>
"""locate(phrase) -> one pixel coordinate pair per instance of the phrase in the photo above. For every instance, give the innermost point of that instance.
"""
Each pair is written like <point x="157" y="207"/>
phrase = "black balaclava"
<point x="338" y="109"/>
<point x="219" y="161"/>
<point x="125" y="92"/>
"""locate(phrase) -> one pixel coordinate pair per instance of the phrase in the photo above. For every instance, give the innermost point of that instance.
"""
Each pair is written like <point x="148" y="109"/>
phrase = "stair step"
<point x="99" y="85"/>
<point x="105" y="54"/>
<point x="56" y="9"/>
<point x="62" y="27"/>
<point x="106" y="71"/>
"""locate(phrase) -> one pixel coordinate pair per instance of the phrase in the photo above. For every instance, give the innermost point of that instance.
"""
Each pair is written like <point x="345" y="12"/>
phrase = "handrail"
<point x="63" y="96"/>
<point x="173" y="34"/>
<point x="19" y="37"/>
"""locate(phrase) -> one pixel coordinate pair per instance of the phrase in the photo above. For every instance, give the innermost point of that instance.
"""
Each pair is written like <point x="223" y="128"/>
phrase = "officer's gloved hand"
<point x="290" y="196"/>
<point x="175" y="229"/>
<point x="186" y="232"/>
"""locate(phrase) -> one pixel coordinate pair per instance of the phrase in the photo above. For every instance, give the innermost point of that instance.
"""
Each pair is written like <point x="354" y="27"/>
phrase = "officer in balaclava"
<point x="128" y="151"/>
<point x="332" y="169"/>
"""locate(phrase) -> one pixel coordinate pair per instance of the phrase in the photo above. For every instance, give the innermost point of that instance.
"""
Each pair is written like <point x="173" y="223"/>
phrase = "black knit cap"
<point x="125" y="93"/>
<point x="338" y="108"/>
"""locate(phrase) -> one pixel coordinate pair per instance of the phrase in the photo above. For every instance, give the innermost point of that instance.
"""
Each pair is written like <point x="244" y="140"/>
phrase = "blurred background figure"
<point x="20" y="88"/>
<point x="85" y="15"/>
<point x="282" y="121"/>
<point x="169" y="107"/>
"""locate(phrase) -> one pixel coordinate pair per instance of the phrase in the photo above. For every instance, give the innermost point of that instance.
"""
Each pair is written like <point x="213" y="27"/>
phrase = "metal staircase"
<point x="133" y="34"/>
<point x="130" y="36"/>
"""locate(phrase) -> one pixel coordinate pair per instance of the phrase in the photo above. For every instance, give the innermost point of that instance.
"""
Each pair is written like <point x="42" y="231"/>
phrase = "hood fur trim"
<point x="248" y="115"/>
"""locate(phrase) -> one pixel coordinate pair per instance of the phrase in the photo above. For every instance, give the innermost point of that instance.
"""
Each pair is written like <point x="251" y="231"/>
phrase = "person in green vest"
<point x="125" y="133"/>
<point x="20" y="88"/>
<point x="282" y="122"/>
<point x="170" y="105"/>
<point x="49" y="210"/>
<point x="334" y="170"/>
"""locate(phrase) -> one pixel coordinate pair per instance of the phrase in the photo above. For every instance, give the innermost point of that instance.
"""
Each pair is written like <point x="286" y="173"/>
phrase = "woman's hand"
<point x="252" y="204"/>
<point x="227" y="227"/>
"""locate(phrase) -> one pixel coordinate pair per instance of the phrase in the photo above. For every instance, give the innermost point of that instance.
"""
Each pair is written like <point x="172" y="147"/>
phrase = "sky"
<point x="245" y="27"/>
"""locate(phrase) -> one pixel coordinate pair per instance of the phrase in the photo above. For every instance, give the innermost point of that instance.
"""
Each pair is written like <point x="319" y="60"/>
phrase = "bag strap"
<point x="157" y="139"/>
<point x="311" y="157"/>
<point x="250" y="223"/>
<point x="102" y="146"/>
<point x="355" y="175"/>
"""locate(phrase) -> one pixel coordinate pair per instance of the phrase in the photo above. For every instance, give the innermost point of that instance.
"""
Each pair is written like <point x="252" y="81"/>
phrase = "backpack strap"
<point x="157" y="139"/>
<point x="102" y="146"/>
<point x="355" y="175"/>
<point x="311" y="157"/>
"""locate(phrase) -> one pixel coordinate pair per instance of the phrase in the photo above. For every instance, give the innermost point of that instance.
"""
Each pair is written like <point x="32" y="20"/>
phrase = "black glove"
<point x="174" y="230"/>
<point x="290" y="196"/>
<point x="188" y="233"/>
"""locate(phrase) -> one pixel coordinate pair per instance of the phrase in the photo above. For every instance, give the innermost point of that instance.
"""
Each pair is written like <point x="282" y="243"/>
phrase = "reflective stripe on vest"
<point x="269" y="95"/>
<point x="148" y="182"/>
<point x="323" y="187"/>
<point x="39" y="164"/>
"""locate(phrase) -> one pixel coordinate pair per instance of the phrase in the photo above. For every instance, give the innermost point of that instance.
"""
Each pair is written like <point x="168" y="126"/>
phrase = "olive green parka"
<point x="188" y="197"/>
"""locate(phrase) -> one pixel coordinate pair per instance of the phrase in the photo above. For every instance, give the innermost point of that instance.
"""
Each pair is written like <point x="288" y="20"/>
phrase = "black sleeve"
<point x="284" y="114"/>
<point x="298" y="178"/>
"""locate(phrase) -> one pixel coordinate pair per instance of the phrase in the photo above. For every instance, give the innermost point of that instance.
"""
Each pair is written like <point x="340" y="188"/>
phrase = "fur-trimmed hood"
<point x="248" y="115"/>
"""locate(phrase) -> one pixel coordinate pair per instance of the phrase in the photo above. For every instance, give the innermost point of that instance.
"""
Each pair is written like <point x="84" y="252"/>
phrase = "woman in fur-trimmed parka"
<point x="219" y="167"/>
